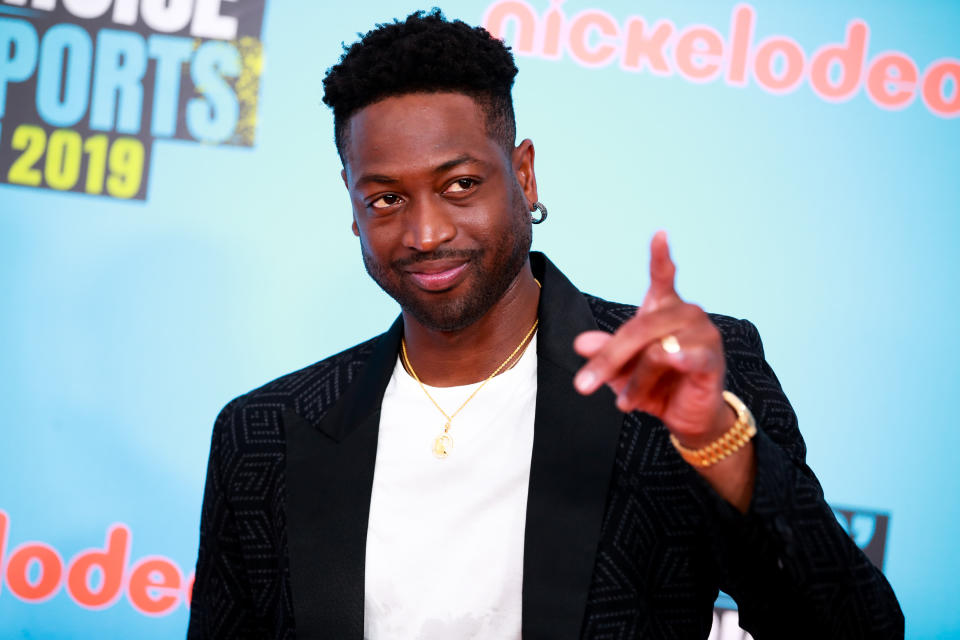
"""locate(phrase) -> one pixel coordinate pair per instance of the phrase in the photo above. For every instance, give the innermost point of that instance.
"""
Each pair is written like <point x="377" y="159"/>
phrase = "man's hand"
<point x="683" y="387"/>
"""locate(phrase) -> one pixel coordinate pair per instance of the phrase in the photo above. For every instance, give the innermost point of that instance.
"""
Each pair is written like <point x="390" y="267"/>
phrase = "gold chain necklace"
<point x="443" y="444"/>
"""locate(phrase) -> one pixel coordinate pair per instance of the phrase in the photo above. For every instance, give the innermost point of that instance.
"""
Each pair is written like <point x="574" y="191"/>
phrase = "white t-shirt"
<point x="445" y="536"/>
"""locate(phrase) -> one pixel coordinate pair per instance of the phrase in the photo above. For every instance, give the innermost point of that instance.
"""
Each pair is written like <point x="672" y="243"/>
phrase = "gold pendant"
<point x="442" y="445"/>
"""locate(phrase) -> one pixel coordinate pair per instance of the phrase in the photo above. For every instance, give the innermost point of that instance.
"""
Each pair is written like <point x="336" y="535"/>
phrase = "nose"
<point x="428" y="224"/>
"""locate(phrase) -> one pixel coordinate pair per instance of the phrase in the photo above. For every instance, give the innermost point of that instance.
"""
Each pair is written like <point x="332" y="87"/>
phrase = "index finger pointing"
<point x="662" y="273"/>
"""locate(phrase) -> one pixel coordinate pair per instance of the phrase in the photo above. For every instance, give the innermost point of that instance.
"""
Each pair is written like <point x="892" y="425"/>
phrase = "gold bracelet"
<point x="733" y="440"/>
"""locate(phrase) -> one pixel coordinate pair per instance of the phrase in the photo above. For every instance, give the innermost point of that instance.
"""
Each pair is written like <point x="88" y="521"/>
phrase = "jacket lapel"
<point x="574" y="446"/>
<point x="330" y="467"/>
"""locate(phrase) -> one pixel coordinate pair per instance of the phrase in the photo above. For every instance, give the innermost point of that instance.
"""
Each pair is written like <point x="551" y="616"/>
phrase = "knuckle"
<point x="600" y="363"/>
<point x="713" y="334"/>
<point x="699" y="356"/>
<point x="655" y="356"/>
<point x="693" y="310"/>
<point x="634" y="325"/>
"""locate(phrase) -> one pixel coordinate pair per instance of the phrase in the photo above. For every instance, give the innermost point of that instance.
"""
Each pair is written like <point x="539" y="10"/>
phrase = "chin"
<point x="440" y="313"/>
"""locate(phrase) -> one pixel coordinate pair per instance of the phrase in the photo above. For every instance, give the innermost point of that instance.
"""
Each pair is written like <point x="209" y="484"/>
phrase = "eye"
<point x="461" y="185"/>
<point x="385" y="201"/>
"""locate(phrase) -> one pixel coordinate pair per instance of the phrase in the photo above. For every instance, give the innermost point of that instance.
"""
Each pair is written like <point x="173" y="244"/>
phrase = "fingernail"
<point x="584" y="381"/>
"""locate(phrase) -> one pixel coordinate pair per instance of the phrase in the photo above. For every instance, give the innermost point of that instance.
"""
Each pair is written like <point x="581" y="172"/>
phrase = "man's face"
<point x="442" y="211"/>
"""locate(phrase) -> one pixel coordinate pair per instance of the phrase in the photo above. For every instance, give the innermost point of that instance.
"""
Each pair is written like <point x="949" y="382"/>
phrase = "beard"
<point x="506" y="258"/>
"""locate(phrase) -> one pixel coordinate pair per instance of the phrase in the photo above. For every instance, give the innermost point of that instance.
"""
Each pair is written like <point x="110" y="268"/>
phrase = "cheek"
<point x="378" y="239"/>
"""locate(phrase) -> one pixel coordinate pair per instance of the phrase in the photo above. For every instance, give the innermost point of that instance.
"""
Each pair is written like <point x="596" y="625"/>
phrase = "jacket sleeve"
<point x="790" y="566"/>
<point x="221" y="605"/>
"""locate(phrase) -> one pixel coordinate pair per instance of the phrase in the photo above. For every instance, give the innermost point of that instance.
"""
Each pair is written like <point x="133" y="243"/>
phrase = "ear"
<point x="523" y="170"/>
<point x="356" y="229"/>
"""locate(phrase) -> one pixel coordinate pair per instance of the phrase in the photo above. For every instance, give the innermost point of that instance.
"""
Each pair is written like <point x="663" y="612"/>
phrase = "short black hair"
<point x="424" y="53"/>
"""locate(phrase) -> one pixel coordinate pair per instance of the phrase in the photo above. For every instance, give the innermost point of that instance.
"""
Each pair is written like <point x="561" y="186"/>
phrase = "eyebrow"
<point x="465" y="158"/>
<point x="379" y="178"/>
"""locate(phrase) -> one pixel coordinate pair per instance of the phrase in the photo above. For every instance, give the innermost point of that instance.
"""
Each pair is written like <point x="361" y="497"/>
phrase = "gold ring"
<point x="670" y="344"/>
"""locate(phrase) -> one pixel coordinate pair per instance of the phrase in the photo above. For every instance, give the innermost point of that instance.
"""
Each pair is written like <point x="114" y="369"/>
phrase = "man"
<point x="512" y="456"/>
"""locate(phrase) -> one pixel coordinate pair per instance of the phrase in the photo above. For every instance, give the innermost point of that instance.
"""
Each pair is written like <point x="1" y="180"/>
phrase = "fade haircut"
<point x="425" y="53"/>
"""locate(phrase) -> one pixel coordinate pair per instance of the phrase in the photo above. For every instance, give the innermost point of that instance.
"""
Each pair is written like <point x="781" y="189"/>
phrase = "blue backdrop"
<point x="174" y="232"/>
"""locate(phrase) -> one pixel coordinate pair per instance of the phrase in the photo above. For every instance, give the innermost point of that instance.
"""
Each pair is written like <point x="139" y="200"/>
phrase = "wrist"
<point x="733" y="439"/>
<point x="724" y="417"/>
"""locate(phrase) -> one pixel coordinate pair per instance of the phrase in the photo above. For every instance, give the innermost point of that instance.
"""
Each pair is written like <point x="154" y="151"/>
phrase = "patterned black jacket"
<point x="623" y="539"/>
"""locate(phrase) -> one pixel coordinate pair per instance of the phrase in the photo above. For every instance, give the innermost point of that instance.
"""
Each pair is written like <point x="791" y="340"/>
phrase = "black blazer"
<point x="623" y="539"/>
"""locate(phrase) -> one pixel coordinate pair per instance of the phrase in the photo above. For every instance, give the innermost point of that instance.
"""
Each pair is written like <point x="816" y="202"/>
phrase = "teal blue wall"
<point x="834" y="227"/>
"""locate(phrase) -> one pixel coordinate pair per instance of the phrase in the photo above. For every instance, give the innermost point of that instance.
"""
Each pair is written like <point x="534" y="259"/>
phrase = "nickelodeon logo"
<point x="699" y="53"/>
<point x="34" y="572"/>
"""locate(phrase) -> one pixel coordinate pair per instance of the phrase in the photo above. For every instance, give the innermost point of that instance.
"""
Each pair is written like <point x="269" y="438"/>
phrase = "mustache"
<point x="440" y="254"/>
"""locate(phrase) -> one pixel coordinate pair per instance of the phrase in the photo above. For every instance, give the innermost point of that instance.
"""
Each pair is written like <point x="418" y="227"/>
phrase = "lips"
<point x="437" y="276"/>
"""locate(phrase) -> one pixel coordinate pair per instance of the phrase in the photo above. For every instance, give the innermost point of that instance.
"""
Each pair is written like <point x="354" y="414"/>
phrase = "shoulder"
<point x="609" y="315"/>
<point x="309" y="392"/>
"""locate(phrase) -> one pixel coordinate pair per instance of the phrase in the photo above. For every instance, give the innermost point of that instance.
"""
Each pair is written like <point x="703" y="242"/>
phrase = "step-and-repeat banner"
<point x="174" y="232"/>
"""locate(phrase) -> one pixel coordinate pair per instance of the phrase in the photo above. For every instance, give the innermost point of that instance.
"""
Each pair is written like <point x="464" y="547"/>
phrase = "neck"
<point x="451" y="358"/>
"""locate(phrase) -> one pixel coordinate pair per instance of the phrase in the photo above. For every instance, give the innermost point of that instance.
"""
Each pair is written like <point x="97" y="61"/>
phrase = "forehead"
<point x="416" y="131"/>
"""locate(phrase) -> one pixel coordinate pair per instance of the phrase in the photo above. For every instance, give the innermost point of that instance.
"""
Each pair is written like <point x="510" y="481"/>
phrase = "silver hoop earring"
<point x="538" y="206"/>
